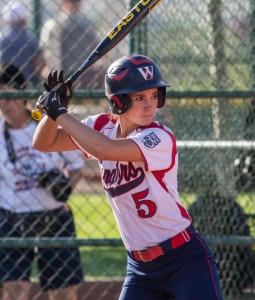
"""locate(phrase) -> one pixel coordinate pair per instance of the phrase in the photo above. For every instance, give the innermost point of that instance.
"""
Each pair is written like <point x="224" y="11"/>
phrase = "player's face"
<point x="143" y="107"/>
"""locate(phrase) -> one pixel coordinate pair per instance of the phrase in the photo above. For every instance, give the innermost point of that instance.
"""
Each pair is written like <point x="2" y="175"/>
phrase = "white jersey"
<point x="18" y="182"/>
<point x="143" y="195"/>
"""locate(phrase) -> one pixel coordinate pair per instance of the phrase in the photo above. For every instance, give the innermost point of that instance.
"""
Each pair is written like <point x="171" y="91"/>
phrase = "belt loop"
<point x="192" y="230"/>
<point x="130" y="254"/>
<point x="186" y="235"/>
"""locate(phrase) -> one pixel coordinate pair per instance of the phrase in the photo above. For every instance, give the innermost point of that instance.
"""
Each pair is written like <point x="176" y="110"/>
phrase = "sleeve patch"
<point x="151" y="140"/>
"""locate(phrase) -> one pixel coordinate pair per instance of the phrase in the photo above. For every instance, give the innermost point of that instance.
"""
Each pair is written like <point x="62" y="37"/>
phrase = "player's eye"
<point x="138" y="98"/>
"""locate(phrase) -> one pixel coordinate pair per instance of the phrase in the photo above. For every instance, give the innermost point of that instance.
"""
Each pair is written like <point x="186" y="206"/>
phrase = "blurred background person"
<point x="67" y="39"/>
<point x="29" y="207"/>
<point x="19" y="46"/>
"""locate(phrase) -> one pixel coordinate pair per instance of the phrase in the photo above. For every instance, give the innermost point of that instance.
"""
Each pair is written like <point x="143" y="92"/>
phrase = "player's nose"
<point x="148" y="102"/>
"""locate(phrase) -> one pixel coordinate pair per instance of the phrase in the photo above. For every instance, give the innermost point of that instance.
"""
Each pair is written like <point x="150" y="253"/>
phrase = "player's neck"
<point x="123" y="132"/>
<point x="126" y="126"/>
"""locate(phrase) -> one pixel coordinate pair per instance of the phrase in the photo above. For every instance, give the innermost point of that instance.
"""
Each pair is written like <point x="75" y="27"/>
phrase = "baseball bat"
<point x="114" y="36"/>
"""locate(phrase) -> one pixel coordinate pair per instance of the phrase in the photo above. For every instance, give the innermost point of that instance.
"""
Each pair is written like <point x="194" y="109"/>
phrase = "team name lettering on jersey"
<point x="122" y="179"/>
<point x="147" y="72"/>
<point x="151" y="140"/>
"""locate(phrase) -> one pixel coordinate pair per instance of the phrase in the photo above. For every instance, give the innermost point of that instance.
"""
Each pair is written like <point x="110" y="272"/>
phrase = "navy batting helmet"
<point x="132" y="74"/>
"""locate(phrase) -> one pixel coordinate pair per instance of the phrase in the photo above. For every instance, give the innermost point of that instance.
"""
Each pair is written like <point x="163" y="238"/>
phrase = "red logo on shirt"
<point x="122" y="179"/>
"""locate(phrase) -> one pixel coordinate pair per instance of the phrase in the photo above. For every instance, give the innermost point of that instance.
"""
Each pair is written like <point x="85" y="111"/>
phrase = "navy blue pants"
<point x="58" y="267"/>
<point x="188" y="272"/>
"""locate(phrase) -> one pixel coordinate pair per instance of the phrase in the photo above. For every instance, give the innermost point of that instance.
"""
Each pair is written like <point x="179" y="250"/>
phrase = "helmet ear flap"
<point x="119" y="103"/>
<point x="161" y="96"/>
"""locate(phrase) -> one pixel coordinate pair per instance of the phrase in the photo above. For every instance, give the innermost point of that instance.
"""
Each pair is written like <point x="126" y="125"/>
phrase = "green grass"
<point x="93" y="217"/>
<point x="246" y="201"/>
<point x="103" y="261"/>
<point x="94" y="220"/>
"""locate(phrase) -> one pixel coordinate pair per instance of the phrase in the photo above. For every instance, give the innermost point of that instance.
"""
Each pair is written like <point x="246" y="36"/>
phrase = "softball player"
<point x="138" y="159"/>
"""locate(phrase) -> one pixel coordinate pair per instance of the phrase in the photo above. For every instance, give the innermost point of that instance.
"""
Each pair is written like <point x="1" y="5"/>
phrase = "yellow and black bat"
<point x="116" y="34"/>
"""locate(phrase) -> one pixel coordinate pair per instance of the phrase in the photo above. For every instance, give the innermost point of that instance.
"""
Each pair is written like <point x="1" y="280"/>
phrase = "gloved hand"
<point x="52" y="104"/>
<point x="55" y="81"/>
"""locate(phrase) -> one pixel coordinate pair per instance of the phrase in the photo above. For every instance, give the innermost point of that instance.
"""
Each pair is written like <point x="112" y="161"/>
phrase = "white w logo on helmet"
<point x="147" y="72"/>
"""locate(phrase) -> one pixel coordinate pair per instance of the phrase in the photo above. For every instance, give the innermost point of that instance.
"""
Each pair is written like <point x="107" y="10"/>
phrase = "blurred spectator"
<point x="18" y="45"/>
<point x="68" y="38"/>
<point x="33" y="203"/>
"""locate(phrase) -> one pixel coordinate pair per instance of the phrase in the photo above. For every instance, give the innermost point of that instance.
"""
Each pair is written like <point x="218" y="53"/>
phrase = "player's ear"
<point x="119" y="104"/>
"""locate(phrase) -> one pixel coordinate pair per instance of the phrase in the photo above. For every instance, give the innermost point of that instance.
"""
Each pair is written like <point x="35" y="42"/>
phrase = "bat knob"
<point x="36" y="114"/>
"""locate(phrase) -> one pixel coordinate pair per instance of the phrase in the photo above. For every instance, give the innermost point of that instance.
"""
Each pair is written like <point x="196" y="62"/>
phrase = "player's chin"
<point x="146" y="120"/>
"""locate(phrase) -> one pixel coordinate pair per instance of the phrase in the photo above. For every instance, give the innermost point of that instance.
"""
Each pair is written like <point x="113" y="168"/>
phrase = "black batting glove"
<point x="55" y="82"/>
<point x="52" y="104"/>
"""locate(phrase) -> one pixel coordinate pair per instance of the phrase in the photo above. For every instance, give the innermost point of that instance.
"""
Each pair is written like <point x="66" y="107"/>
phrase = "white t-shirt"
<point x="143" y="195"/>
<point x="18" y="182"/>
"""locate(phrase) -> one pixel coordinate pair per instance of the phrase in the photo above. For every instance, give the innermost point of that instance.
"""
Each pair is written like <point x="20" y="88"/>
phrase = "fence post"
<point x="224" y="172"/>
<point x="37" y="17"/>
<point x="138" y="36"/>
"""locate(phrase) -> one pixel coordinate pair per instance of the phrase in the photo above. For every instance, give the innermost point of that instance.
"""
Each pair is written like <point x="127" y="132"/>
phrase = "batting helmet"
<point x="132" y="74"/>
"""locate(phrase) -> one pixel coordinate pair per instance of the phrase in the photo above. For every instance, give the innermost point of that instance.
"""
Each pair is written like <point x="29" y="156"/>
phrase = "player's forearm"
<point x="89" y="139"/>
<point x="50" y="138"/>
<point x="45" y="134"/>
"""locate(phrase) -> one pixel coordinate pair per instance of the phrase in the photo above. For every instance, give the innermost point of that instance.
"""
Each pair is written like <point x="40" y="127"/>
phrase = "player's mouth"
<point x="148" y="116"/>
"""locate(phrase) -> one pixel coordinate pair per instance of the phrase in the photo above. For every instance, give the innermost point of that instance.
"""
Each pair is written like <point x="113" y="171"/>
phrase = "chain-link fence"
<point x="206" y="51"/>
